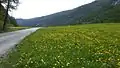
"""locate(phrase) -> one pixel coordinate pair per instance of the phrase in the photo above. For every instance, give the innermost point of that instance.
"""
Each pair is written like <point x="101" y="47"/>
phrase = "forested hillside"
<point x="107" y="14"/>
<point x="99" y="11"/>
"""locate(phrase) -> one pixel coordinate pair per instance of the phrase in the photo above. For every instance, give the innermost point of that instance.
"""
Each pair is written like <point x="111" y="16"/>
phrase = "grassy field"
<point x="80" y="46"/>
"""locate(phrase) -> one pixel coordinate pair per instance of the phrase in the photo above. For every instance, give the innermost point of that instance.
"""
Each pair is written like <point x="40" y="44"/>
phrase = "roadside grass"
<point x="10" y="27"/>
<point x="80" y="46"/>
<point x="16" y="28"/>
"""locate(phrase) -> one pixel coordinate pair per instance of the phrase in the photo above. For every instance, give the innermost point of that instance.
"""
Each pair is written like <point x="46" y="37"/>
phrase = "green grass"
<point x="80" y="46"/>
<point x="16" y="28"/>
<point x="10" y="29"/>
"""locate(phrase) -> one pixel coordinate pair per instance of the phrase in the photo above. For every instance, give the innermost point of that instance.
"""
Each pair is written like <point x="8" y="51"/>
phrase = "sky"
<point x="37" y="8"/>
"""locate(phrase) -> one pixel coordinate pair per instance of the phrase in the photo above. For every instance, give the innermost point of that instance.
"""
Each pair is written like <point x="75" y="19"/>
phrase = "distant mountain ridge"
<point x="98" y="11"/>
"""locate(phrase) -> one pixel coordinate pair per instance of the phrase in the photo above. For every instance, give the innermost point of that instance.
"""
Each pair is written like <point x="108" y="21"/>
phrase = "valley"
<point x="87" y="36"/>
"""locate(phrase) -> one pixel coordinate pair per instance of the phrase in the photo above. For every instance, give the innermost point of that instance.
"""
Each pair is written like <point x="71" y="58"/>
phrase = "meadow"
<point x="78" y="46"/>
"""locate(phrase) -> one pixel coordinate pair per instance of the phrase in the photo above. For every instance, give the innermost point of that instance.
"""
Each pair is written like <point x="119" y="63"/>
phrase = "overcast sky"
<point x="37" y="8"/>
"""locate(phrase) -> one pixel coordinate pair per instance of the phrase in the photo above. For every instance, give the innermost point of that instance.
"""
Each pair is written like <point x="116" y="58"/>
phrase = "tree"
<point x="10" y="4"/>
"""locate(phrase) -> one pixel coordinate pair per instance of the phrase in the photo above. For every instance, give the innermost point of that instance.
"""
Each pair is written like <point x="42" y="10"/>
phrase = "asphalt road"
<point x="10" y="39"/>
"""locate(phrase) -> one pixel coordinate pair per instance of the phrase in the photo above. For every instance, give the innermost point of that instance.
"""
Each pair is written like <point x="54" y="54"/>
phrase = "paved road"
<point x="10" y="39"/>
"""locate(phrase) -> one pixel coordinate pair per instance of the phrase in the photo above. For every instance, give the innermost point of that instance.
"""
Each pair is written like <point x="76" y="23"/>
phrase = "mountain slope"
<point x="96" y="11"/>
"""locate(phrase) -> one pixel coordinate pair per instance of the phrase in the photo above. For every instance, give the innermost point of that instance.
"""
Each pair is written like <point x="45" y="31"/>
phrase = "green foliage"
<point x="1" y="24"/>
<point x="84" y="46"/>
<point x="13" y="3"/>
<point x="13" y="21"/>
<point x="2" y="12"/>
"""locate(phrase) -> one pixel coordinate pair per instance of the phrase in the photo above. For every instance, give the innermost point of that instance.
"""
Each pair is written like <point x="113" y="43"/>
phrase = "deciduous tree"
<point x="9" y="5"/>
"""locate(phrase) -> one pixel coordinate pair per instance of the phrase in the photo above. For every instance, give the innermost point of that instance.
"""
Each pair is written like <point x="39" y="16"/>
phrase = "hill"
<point x="96" y="12"/>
